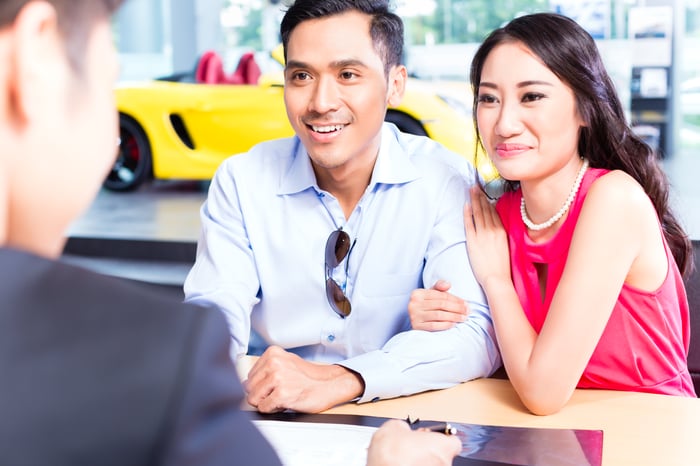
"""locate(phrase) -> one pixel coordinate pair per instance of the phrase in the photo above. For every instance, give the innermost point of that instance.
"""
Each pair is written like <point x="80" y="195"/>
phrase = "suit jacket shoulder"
<point x="96" y="370"/>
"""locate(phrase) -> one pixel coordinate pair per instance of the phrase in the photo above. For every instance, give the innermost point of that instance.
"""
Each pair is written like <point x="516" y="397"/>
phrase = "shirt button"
<point x="331" y="337"/>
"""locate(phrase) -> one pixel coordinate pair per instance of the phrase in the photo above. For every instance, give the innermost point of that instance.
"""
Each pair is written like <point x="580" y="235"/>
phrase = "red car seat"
<point x="210" y="69"/>
<point x="247" y="71"/>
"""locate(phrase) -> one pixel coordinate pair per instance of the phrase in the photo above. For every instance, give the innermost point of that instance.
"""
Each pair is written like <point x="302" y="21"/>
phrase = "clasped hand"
<point x="435" y="309"/>
<point x="281" y="380"/>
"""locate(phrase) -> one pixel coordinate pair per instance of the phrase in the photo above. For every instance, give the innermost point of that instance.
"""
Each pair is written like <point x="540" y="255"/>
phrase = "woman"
<point x="581" y="258"/>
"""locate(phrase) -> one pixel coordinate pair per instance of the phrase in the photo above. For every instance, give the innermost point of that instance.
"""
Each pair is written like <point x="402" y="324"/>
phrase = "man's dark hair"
<point x="386" y="28"/>
<point x="75" y="21"/>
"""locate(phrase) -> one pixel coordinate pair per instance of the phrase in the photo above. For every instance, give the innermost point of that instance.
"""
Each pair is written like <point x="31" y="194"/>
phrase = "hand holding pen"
<point x="397" y="443"/>
<point x="440" y="427"/>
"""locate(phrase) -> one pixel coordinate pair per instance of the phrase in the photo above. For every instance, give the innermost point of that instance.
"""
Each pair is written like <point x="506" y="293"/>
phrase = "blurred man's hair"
<point x="75" y="21"/>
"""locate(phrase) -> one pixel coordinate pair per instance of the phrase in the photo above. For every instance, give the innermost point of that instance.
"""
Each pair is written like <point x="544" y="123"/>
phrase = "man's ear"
<point x="397" y="85"/>
<point x="35" y="50"/>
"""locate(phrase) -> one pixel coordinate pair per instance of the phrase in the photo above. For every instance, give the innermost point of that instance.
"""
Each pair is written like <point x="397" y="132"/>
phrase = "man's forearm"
<point x="416" y="361"/>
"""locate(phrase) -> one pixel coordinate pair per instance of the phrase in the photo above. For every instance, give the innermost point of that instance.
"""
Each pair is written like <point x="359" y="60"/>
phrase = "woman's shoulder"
<point x="617" y="189"/>
<point x="616" y="204"/>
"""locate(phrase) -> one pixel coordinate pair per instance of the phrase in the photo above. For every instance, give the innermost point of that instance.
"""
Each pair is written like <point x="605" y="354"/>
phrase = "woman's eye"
<point x="486" y="99"/>
<point x="532" y="96"/>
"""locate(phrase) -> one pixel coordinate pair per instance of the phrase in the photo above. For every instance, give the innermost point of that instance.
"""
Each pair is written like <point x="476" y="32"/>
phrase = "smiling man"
<point x="96" y="370"/>
<point x="312" y="245"/>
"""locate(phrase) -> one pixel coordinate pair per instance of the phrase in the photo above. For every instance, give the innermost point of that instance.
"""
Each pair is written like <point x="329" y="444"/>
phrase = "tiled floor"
<point x="162" y="211"/>
<point x="148" y="235"/>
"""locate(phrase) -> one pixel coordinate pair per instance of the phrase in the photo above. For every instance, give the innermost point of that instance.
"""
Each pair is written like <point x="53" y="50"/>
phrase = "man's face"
<point x="94" y="115"/>
<point x="336" y="91"/>
<point x="71" y="143"/>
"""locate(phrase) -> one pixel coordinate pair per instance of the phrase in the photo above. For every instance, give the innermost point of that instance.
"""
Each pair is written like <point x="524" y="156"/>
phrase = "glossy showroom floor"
<point x="151" y="234"/>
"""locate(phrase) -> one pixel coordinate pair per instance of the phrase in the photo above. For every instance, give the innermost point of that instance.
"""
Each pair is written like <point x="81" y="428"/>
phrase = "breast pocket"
<point x="380" y="306"/>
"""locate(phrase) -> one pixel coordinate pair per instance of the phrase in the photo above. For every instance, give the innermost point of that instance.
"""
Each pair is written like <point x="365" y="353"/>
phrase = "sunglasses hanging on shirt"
<point x="338" y="247"/>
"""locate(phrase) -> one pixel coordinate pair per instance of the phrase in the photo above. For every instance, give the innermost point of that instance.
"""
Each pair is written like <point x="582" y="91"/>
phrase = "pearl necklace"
<point x="555" y="218"/>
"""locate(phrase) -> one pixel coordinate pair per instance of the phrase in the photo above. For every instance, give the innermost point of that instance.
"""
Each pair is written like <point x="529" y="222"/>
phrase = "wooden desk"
<point x="639" y="429"/>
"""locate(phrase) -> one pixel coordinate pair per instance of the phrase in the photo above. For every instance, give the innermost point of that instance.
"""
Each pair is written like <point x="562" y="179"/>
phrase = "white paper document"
<point x="312" y="443"/>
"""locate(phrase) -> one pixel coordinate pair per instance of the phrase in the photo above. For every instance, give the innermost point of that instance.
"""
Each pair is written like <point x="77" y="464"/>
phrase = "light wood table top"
<point x="638" y="428"/>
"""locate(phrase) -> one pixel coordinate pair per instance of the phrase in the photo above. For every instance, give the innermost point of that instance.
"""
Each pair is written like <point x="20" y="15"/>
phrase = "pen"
<point x="443" y="428"/>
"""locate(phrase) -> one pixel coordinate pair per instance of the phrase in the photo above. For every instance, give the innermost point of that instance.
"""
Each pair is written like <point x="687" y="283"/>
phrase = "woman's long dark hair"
<point x="606" y="141"/>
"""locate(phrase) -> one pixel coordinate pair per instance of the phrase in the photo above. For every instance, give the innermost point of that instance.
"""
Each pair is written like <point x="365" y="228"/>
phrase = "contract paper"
<point x="313" y="443"/>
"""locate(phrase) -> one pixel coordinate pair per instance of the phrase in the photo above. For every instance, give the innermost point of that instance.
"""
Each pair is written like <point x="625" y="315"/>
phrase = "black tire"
<point x="133" y="164"/>
<point x="405" y="123"/>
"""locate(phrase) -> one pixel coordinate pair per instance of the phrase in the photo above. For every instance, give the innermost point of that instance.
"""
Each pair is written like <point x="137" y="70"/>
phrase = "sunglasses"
<point x="338" y="247"/>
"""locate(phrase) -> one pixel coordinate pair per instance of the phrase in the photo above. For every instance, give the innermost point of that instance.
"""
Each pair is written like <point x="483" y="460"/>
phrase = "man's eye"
<point x="298" y="76"/>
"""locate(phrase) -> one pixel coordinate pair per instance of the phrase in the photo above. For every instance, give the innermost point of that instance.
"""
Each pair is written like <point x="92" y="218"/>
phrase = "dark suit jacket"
<point x="98" y="371"/>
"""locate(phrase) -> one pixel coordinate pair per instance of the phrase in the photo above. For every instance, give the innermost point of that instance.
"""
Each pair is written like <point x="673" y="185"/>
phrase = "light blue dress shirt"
<point x="260" y="259"/>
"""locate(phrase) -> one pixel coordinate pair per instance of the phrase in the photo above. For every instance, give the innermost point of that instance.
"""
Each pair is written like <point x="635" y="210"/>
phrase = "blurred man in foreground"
<point x="95" y="370"/>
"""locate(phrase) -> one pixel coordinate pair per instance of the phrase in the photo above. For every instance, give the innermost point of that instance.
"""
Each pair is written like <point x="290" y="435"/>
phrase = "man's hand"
<point x="395" y="443"/>
<point x="281" y="380"/>
<point x="436" y="309"/>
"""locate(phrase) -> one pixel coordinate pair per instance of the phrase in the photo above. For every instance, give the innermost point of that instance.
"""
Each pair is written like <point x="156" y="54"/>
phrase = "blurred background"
<point x="145" y="226"/>
<point x="650" y="47"/>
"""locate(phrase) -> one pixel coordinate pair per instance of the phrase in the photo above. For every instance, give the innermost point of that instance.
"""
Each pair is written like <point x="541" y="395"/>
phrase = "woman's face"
<point x="527" y="117"/>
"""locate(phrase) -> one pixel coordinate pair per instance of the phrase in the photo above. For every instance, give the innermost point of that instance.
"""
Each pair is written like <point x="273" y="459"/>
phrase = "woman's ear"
<point x="397" y="85"/>
<point x="34" y="50"/>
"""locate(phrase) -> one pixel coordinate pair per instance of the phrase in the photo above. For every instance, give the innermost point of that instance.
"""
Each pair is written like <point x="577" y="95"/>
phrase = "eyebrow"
<point x="335" y="64"/>
<point x="519" y="85"/>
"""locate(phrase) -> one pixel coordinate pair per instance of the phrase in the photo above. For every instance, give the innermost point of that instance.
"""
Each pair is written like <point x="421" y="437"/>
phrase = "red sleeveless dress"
<point x="644" y="346"/>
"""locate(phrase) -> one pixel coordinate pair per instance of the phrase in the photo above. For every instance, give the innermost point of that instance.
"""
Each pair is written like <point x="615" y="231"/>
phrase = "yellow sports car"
<point x="183" y="127"/>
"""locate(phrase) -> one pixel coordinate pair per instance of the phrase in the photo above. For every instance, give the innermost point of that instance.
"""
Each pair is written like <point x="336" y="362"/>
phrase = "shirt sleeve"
<point x="416" y="360"/>
<point x="223" y="241"/>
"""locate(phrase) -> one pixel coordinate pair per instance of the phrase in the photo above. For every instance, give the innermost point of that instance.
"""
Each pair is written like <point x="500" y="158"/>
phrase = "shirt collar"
<point x="392" y="166"/>
<point x="300" y="175"/>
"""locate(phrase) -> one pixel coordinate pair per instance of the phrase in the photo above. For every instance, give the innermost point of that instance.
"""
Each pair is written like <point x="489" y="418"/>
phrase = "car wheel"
<point x="405" y="123"/>
<point x="133" y="164"/>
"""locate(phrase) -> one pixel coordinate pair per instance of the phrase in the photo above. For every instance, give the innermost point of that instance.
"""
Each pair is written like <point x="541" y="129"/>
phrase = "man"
<point x="378" y="210"/>
<point x="95" y="370"/>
